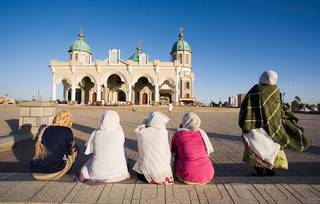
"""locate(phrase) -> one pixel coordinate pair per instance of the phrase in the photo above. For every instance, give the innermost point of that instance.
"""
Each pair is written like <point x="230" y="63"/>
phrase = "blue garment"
<point x="58" y="141"/>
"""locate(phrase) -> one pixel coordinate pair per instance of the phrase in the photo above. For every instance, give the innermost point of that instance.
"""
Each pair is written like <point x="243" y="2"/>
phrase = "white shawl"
<point x="262" y="144"/>
<point x="191" y="122"/>
<point x="154" y="160"/>
<point x="108" y="162"/>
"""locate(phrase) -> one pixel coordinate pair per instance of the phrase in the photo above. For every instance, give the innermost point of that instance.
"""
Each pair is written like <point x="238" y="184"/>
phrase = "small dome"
<point x="181" y="45"/>
<point x="135" y="57"/>
<point x="80" y="45"/>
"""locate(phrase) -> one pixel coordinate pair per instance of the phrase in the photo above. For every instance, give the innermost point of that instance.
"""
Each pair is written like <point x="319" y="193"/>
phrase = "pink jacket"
<point x="193" y="164"/>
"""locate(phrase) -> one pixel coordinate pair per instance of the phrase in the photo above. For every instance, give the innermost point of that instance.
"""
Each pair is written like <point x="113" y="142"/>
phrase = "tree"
<point x="296" y="103"/>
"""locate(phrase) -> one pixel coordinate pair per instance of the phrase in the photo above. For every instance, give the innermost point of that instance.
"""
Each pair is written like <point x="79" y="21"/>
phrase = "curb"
<point x="7" y="142"/>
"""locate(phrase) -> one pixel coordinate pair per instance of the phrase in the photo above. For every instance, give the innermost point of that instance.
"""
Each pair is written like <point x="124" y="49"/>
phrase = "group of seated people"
<point x="188" y="160"/>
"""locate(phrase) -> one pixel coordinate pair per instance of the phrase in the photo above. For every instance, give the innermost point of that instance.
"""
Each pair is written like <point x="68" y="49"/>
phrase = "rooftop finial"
<point x="181" y="35"/>
<point x="81" y="35"/>
<point x="138" y="48"/>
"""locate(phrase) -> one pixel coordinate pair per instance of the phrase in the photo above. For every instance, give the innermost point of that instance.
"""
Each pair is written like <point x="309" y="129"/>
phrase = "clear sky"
<point x="232" y="42"/>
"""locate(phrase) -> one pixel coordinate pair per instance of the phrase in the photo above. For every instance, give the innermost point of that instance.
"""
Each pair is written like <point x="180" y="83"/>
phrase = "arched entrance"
<point x="144" y="98"/>
<point x="113" y="88"/>
<point x="121" y="96"/>
<point x="166" y="92"/>
<point x="86" y="84"/>
<point x="143" y="91"/>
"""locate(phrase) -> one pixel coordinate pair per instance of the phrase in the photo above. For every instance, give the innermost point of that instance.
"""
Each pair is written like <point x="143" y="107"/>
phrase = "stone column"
<point x="98" y="85"/>
<point x="66" y="94"/>
<point x="176" y="91"/>
<point x="73" y="88"/>
<point x="129" y="101"/>
<point x="54" y="86"/>
<point x="156" y="88"/>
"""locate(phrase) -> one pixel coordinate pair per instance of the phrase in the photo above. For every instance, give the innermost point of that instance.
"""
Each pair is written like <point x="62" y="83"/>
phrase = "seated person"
<point x="55" y="149"/>
<point x="154" y="162"/>
<point x="192" y="147"/>
<point x="108" y="163"/>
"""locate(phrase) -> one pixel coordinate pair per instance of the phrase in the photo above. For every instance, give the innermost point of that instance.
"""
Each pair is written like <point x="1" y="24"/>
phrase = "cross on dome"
<point x="181" y="35"/>
<point x="139" y="48"/>
<point x="81" y="35"/>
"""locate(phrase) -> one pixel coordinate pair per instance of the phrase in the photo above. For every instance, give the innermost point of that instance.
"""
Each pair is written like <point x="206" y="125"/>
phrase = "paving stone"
<point x="54" y="191"/>
<point x="147" y="193"/>
<point x="117" y="193"/>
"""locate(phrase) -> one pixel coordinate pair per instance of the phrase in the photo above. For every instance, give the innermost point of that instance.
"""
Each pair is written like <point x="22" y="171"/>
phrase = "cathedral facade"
<point x="115" y="81"/>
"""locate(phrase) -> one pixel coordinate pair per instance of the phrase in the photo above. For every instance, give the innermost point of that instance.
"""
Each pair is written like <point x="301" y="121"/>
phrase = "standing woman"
<point x="268" y="126"/>
<point x="154" y="162"/>
<point x="192" y="147"/>
<point x="108" y="163"/>
<point x="55" y="149"/>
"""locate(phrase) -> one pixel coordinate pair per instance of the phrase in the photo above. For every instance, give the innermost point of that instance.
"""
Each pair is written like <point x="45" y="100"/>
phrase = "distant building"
<point x="114" y="80"/>
<point x="233" y="101"/>
<point x="4" y="100"/>
<point x="240" y="99"/>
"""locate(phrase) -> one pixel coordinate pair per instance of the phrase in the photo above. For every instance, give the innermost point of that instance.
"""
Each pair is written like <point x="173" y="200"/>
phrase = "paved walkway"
<point x="232" y="183"/>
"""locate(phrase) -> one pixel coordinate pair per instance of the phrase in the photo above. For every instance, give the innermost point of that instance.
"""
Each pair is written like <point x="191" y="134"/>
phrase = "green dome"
<point x="181" y="45"/>
<point x="80" y="45"/>
<point x="135" y="57"/>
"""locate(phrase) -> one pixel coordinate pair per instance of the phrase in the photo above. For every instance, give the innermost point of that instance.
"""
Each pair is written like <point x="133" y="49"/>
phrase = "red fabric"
<point x="193" y="164"/>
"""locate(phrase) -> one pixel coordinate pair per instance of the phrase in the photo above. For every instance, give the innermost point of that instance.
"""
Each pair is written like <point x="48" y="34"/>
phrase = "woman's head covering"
<point x="109" y="126"/>
<point x="157" y="120"/>
<point x="110" y="119"/>
<point x="191" y="121"/>
<point x="63" y="118"/>
<point x="268" y="78"/>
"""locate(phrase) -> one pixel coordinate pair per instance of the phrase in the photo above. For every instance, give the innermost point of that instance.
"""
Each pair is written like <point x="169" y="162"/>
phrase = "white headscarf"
<point x="154" y="160"/>
<point x="191" y="122"/>
<point x="108" y="162"/>
<point x="268" y="78"/>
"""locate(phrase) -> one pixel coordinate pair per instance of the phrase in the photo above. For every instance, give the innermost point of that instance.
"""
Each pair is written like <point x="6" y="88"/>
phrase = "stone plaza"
<point x="233" y="181"/>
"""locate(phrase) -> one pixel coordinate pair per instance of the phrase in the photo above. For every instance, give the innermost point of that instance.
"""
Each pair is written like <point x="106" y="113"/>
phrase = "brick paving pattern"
<point x="233" y="181"/>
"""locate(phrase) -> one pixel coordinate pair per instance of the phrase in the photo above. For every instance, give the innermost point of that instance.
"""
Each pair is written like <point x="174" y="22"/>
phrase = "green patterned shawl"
<point x="262" y="107"/>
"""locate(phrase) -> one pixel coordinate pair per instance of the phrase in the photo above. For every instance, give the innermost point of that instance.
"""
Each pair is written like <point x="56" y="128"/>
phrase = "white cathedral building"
<point x="134" y="81"/>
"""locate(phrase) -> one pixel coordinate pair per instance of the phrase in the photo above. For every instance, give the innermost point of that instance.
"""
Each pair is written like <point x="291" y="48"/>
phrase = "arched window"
<point x="180" y="58"/>
<point x="70" y="56"/>
<point x="187" y="85"/>
<point x="187" y="59"/>
<point x="174" y="57"/>
<point x="76" y="57"/>
<point x="87" y="60"/>
<point x="187" y="95"/>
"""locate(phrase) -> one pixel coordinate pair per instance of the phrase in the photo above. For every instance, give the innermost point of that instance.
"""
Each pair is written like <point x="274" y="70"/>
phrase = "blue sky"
<point x="232" y="42"/>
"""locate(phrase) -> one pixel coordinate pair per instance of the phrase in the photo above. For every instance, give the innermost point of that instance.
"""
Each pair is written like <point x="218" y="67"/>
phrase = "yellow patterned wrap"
<point x="63" y="118"/>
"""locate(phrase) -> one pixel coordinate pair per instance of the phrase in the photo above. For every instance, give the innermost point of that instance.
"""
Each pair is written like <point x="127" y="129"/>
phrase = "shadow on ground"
<point x="14" y="126"/>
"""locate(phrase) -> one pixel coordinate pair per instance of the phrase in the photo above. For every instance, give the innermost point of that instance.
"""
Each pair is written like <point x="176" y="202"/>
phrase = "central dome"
<point x="80" y="45"/>
<point x="135" y="57"/>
